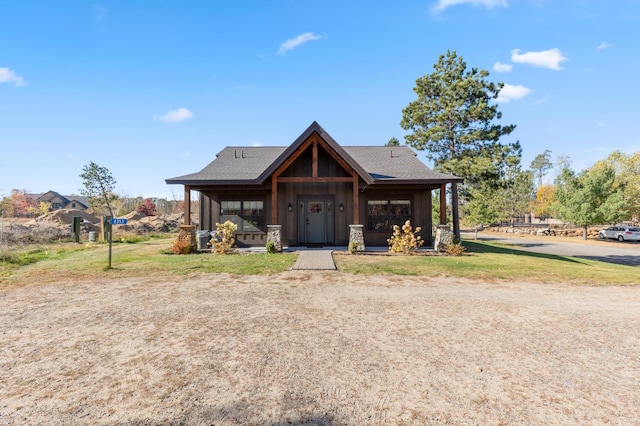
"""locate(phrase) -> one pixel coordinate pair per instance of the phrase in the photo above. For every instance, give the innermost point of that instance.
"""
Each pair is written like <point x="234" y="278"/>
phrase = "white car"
<point x="621" y="233"/>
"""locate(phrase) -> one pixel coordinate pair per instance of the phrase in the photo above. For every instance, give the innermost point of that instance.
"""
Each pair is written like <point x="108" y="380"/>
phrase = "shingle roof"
<point x="235" y="165"/>
<point x="394" y="163"/>
<point x="375" y="164"/>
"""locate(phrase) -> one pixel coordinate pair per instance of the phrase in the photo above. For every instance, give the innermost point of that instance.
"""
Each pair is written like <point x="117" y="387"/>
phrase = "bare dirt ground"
<point x="318" y="348"/>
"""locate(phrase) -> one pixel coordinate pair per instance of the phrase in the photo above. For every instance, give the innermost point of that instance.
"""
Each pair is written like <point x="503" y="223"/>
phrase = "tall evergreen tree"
<point x="541" y="164"/>
<point x="453" y="119"/>
<point x="393" y="142"/>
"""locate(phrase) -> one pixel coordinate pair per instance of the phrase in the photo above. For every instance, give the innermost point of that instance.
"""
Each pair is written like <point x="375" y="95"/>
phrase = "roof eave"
<point x="211" y="182"/>
<point x="416" y="181"/>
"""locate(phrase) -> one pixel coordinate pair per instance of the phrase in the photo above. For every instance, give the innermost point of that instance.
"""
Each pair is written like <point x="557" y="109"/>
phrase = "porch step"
<point x="314" y="260"/>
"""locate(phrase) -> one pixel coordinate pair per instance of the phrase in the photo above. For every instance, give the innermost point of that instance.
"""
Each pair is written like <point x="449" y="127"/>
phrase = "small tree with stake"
<point x="98" y="187"/>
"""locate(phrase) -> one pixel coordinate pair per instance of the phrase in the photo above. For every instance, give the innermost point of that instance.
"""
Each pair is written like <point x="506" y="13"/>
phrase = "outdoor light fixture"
<point x="341" y="207"/>
<point x="290" y="208"/>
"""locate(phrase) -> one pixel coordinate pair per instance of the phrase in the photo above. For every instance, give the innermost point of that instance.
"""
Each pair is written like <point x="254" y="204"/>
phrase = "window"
<point x="383" y="214"/>
<point x="248" y="215"/>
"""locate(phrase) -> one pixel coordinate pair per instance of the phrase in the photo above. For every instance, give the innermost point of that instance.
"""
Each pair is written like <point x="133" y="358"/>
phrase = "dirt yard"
<point x="318" y="348"/>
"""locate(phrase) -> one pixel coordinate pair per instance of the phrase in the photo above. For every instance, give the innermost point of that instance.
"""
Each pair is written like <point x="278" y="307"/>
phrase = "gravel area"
<point x="318" y="348"/>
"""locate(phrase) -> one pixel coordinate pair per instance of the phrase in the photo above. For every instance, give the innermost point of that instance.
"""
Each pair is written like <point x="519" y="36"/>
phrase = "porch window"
<point x="248" y="215"/>
<point x="383" y="214"/>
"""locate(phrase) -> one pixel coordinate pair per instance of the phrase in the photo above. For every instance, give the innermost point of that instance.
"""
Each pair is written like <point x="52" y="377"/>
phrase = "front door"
<point x="315" y="222"/>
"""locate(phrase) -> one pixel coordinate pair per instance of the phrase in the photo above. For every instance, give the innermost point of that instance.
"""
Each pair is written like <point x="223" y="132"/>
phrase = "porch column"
<point x="187" y="205"/>
<point x="356" y="202"/>
<point x="274" y="199"/>
<point x="454" y="210"/>
<point x="443" y="204"/>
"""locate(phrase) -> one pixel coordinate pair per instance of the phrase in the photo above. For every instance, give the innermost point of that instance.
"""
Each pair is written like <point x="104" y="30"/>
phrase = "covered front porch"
<point x="315" y="189"/>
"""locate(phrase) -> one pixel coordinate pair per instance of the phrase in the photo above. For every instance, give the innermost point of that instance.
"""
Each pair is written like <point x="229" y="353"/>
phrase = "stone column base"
<point x="356" y="236"/>
<point x="444" y="238"/>
<point x="188" y="233"/>
<point x="274" y="233"/>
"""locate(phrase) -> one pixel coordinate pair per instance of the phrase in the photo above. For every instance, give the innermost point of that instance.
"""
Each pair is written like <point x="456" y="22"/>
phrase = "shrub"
<point x="226" y="241"/>
<point x="353" y="247"/>
<point x="405" y="240"/>
<point x="271" y="247"/>
<point x="181" y="246"/>
<point x="455" y="249"/>
<point x="148" y="208"/>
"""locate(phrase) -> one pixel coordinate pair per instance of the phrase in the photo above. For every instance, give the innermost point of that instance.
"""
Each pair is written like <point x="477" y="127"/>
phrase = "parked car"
<point x="621" y="233"/>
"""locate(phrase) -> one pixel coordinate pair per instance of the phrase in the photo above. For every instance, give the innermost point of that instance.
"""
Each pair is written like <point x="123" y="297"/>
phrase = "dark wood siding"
<point x="302" y="166"/>
<point x="339" y="193"/>
<point x="420" y="198"/>
<point x="210" y="211"/>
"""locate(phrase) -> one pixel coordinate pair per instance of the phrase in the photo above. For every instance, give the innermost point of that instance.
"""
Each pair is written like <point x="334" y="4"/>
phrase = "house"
<point x="58" y="201"/>
<point x="315" y="189"/>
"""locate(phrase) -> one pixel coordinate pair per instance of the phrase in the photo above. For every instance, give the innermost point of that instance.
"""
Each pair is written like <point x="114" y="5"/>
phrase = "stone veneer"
<point x="274" y="233"/>
<point x="356" y="236"/>
<point x="188" y="233"/>
<point x="444" y="238"/>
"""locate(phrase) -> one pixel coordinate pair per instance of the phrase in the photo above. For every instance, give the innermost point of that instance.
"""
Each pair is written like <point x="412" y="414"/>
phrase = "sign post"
<point x="114" y="221"/>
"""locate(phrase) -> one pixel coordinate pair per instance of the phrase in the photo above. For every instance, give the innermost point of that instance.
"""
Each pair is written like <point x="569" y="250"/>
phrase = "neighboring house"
<point x="315" y="189"/>
<point x="58" y="201"/>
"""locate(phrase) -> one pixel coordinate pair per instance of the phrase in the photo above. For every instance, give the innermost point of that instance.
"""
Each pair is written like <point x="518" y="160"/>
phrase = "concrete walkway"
<point x="314" y="260"/>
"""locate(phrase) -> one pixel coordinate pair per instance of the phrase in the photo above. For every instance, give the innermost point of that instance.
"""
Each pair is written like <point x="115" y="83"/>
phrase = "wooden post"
<point x="314" y="161"/>
<point x="187" y="205"/>
<point x="274" y="199"/>
<point x="356" y="205"/>
<point x="443" y="204"/>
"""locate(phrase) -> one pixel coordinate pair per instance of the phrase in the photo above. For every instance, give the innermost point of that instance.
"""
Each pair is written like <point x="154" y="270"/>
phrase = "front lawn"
<point x="488" y="262"/>
<point x="141" y="258"/>
<point x="483" y="261"/>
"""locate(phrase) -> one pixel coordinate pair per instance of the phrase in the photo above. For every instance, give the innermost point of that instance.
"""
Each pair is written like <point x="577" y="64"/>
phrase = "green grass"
<point x="145" y="258"/>
<point x="489" y="262"/>
<point x="148" y="257"/>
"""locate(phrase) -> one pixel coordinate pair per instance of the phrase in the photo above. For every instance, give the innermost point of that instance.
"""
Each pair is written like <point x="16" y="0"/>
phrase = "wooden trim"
<point x="187" y="205"/>
<point x="296" y="154"/>
<point x="274" y="199"/>
<point x="314" y="140"/>
<point x="321" y="179"/>
<point x="314" y="161"/>
<point x="443" y="204"/>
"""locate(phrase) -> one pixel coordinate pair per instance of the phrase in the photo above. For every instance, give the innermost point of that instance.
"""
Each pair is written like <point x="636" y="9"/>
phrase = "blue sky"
<point x="153" y="90"/>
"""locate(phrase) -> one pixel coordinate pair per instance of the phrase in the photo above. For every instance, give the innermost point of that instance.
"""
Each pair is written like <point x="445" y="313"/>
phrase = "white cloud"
<point x="256" y="143"/>
<point x="99" y="12"/>
<point x="587" y="69"/>
<point x="8" y="76"/>
<point x="295" y="42"/>
<point x="545" y="58"/>
<point x="500" y="67"/>
<point x="604" y="45"/>
<point x="490" y="4"/>
<point x="175" y="116"/>
<point x="510" y="92"/>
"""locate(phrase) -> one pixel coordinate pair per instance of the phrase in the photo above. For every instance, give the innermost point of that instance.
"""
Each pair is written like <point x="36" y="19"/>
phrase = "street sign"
<point x="117" y="221"/>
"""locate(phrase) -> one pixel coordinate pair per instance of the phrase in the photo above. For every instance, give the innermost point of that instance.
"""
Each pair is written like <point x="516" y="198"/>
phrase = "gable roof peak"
<point x="326" y="137"/>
